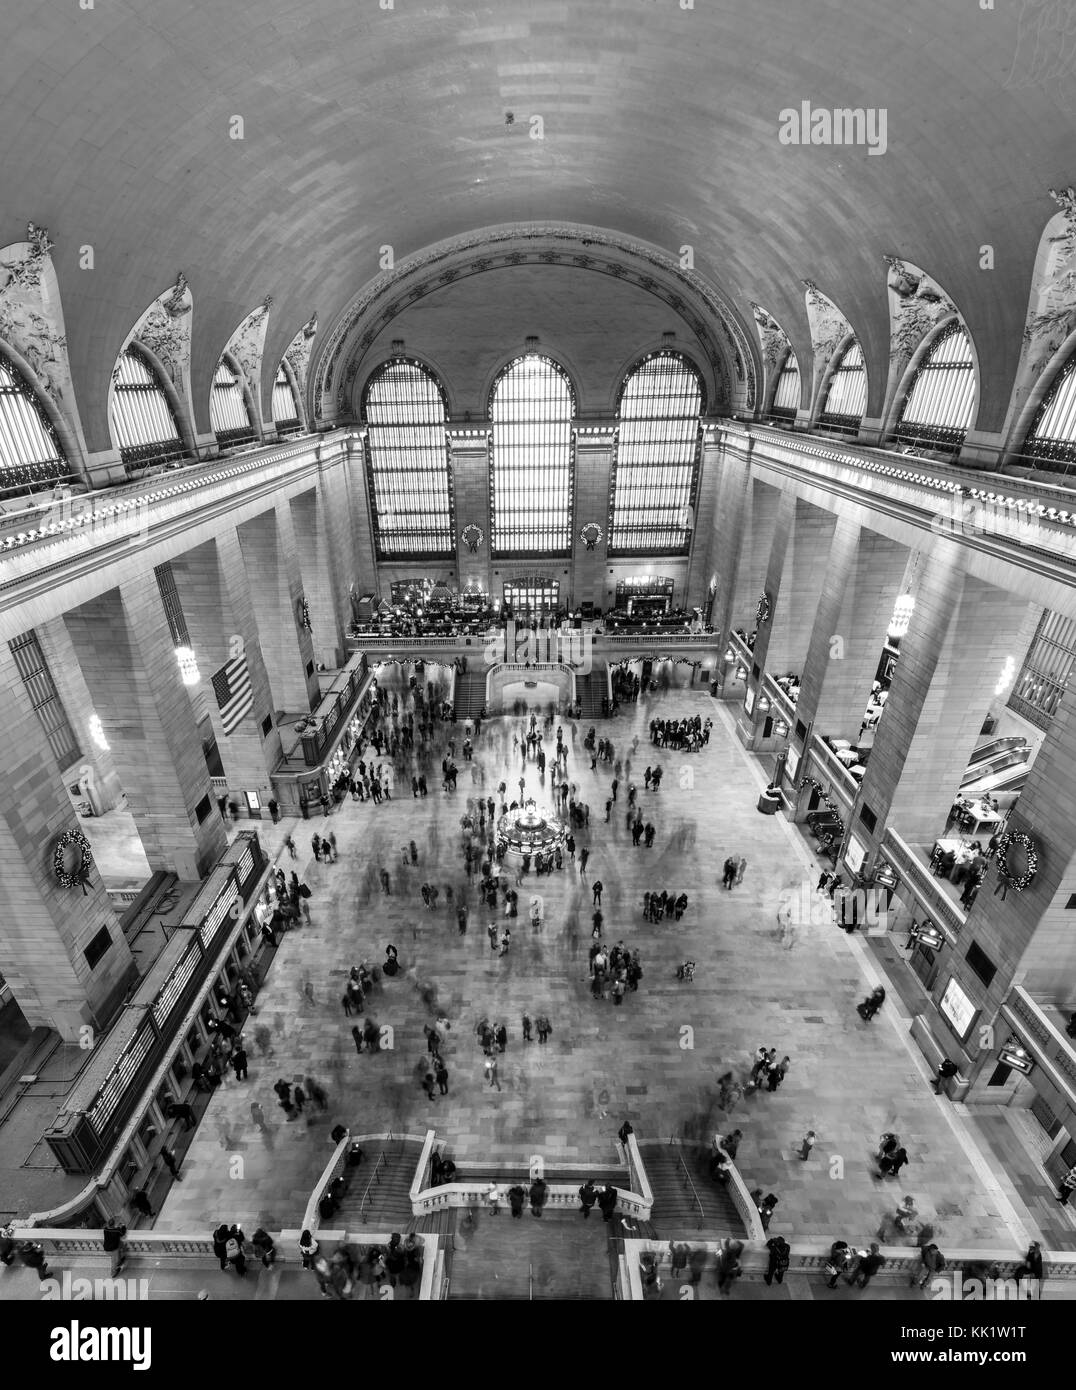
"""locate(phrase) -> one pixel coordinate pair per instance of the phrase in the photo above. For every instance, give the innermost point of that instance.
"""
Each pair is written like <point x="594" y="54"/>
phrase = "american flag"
<point x="235" y="698"/>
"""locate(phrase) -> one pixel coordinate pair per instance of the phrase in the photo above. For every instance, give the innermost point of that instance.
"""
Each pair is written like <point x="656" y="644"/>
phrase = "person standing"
<point x="517" y="1200"/>
<point x="427" y="1086"/>
<point x="527" y="1028"/>
<point x="780" y="1258"/>
<point x="867" y="1266"/>
<point x="728" y="1264"/>
<point x="841" y="1260"/>
<point x="806" y="1145"/>
<point x="441" y="1075"/>
<point x="538" y="1194"/>
<point x="112" y="1235"/>
<point x="491" y="1073"/>
<point x="588" y="1195"/>
<point x="234" y="1252"/>
<point x="597" y="892"/>
<point x="933" y="1263"/>
<point x="584" y="855"/>
<point x="502" y="1037"/>
<point x="239" y="1062"/>
<point x="1031" y="1268"/>
<point x="741" y="866"/>
<point x="607" y="1200"/>
<point x="729" y="876"/>
<point x="140" y="1202"/>
<point x="170" y="1161"/>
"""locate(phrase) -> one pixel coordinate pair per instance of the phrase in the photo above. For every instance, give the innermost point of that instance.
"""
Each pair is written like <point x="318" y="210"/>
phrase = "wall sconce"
<point x="781" y="729"/>
<point x="763" y="703"/>
<point x="927" y="934"/>
<point x="730" y="656"/>
<point x="97" y="733"/>
<point x="188" y="666"/>
<point x="1014" y="1054"/>
<point x="902" y="615"/>
<point x="741" y="673"/>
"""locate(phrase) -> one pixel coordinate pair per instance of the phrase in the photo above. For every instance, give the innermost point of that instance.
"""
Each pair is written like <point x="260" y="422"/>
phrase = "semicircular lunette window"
<point x="531" y="408"/>
<point x="1052" y="437"/>
<point x="937" y="410"/>
<point x="846" y="394"/>
<point x="140" y="419"/>
<point x="656" y="462"/>
<point x="407" y="461"/>
<point x="30" y="453"/>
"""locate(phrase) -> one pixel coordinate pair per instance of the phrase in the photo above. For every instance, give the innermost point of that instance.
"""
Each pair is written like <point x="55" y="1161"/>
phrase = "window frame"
<point x="151" y="451"/>
<point x="940" y="437"/>
<point x="565" y="528"/>
<point x="682" y="547"/>
<point x="1054" y="450"/>
<point x="418" y="552"/>
<point x="839" y="420"/>
<point x="233" y="434"/>
<point x="37" y="473"/>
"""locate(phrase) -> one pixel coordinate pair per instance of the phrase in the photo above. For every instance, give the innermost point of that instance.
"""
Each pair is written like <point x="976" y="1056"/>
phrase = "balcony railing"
<point x="1050" y="1047"/>
<point x="915" y="872"/>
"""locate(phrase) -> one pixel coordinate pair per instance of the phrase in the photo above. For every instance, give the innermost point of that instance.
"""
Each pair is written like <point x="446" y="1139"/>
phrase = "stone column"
<point x="950" y="658"/>
<point x="700" y="567"/>
<point x="125" y="650"/>
<point x="212" y="584"/>
<point x="801" y="585"/>
<point x="1026" y="935"/>
<point x="469" y="454"/>
<point x="47" y="928"/>
<point x="97" y="773"/>
<point x="276" y="592"/>
<point x="593" y="479"/>
<point x="730" y="521"/>
<point x="363" y="550"/>
<point x="313" y="538"/>
<point x="782" y="532"/>
<point x="863" y="579"/>
<point x="760" y="519"/>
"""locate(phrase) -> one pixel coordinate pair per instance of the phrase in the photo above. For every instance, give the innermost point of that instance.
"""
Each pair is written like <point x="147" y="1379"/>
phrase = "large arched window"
<point x="786" y="395"/>
<point x="937" y="409"/>
<point x="1052" y="437"/>
<point x="30" y="453"/>
<point x="846" y="394"/>
<point x="140" y="419"/>
<point x="531" y="407"/>
<point x="407" y="465"/>
<point x="228" y="412"/>
<point x="285" y="406"/>
<point x="656" y="462"/>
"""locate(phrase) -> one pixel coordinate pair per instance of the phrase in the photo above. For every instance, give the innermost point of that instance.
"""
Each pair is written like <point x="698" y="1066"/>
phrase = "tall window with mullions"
<point x="49" y="708"/>
<point x="407" y="461"/>
<point x="1052" y="437"/>
<point x="139" y="417"/>
<point x="656" y="464"/>
<point x="786" y="395"/>
<point x="846" y="392"/>
<point x="937" y="410"/>
<point x="30" y="453"/>
<point x="532" y="468"/>
<point x="228" y="412"/>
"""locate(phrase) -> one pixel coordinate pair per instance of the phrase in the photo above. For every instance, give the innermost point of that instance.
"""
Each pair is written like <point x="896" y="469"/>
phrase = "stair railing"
<point x="375" y="1181"/>
<point x="690" y="1186"/>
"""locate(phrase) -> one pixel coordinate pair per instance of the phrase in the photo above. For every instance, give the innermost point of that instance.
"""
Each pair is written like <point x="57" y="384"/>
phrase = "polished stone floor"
<point x="654" y="1060"/>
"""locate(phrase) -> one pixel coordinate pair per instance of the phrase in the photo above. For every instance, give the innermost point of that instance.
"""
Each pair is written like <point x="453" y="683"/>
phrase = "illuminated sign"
<point x="957" y="1009"/>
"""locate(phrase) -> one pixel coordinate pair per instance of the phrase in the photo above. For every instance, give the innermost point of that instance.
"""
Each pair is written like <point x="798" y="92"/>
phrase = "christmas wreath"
<point x="1017" y="859"/>
<point x="72" y="859"/>
<point x="762" y="612"/>
<point x="472" y="537"/>
<point x="591" y="534"/>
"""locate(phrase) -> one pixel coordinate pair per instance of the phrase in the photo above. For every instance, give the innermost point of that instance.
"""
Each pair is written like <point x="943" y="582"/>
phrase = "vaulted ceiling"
<point x="365" y="127"/>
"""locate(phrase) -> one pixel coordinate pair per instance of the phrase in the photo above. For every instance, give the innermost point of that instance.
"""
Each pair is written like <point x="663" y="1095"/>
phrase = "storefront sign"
<point x="749" y="700"/>
<point x="957" y="1009"/>
<point x="854" y="855"/>
<point x="792" y="763"/>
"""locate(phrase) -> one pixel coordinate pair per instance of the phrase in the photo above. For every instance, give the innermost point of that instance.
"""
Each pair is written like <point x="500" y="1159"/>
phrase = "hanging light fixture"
<point x="902" y="615"/>
<point x="188" y="666"/>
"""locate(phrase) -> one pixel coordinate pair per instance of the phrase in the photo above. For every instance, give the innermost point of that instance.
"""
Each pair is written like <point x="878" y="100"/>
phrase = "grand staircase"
<point x="590" y="690"/>
<point x="687" y="1203"/>
<point x="470" y="694"/>
<point x="380" y="1191"/>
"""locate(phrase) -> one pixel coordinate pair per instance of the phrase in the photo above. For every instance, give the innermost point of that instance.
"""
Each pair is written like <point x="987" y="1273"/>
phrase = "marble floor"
<point x="654" y="1060"/>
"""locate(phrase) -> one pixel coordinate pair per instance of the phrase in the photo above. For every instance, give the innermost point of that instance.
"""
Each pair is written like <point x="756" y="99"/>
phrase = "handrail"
<point x="310" y="1216"/>
<point x="922" y="883"/>
<point x="375" y="1178"/>
<point x="687" y="1180"/>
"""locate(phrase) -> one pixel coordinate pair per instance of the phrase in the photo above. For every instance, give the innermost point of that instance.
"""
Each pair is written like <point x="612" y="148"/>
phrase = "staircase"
<point x="380" y="1191"/>
<point x="470" y="694"/>
<point x="590" y="690"/>
<point x="509" y="1177"/>
<point x="683" y="1211"/>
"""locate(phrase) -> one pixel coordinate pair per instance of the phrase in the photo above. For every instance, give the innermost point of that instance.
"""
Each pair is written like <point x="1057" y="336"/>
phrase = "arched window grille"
<point x="1052" y="437"/>
<point x="786" y="395"/>
<point x="285" y="406"/>
<point x="937" y="409"/>
<point x="656" y="462"/>
<point x="407" y="461"/>
<point x="846" y="394"/>
<point x="228" y="412"/>
<point x="140" y="419"/>
<point x="531" y="407"/>
<point x="1045" y="673"/>
<point x="30" y="453"/>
